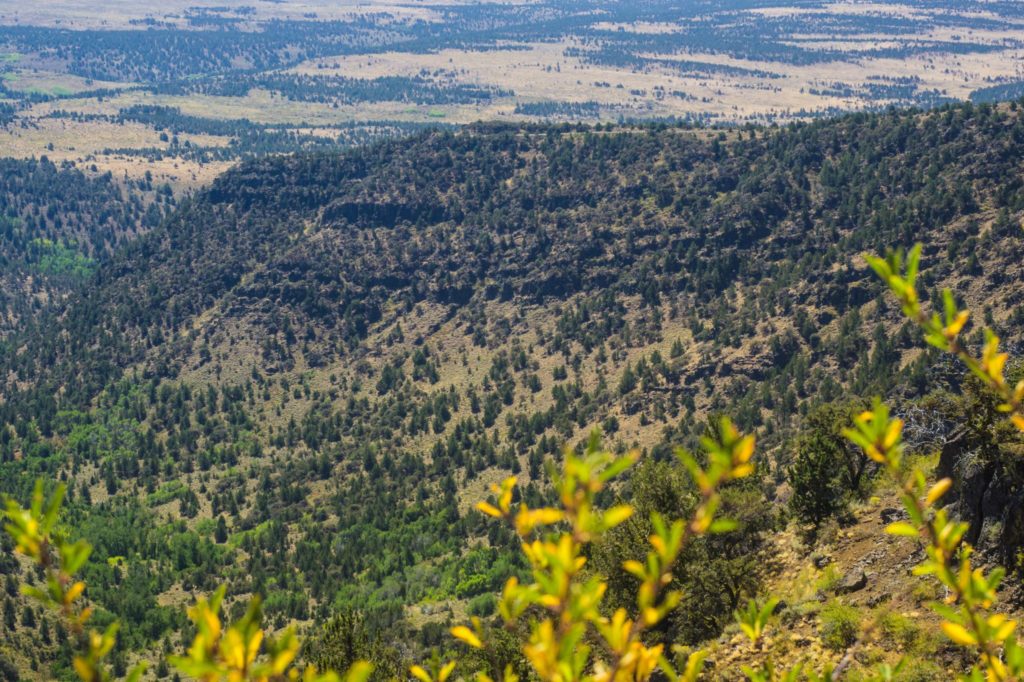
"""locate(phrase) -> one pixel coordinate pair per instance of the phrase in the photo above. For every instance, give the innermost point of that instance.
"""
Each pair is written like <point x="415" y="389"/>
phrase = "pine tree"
<point x="628" y="381"/>
<point x="221" y="533"/>
<point x="825" y="469"/>
<point x="10" y="616"/>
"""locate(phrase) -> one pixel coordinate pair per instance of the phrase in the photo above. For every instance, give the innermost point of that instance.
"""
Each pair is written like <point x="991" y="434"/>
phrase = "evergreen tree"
<point x="10" y="615"/>
<point x="826" y="468"/>
<point x="221" y="532"/>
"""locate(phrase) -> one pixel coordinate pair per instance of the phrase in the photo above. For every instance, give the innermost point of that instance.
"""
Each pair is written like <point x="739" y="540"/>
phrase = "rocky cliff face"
<point x="987" y="494"/>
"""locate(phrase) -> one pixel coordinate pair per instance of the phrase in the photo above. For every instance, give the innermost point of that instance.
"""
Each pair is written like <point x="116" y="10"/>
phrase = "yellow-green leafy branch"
<point x="944" y="332"/>
<point x="556" y="649"/>
<point x="948" y="557"/>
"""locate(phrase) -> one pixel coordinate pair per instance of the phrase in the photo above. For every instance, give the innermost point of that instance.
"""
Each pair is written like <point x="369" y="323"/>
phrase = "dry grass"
<point x="88" y="144"/>
<point x="115" y="14"/>
<point x="33" y="80"/>
<point x="539" y="73"/>
<point x="544" y="73"/>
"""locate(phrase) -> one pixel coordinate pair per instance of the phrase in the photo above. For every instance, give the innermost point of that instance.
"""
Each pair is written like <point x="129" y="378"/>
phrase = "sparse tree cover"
<point x="233" y="50"/>
<point x="297" y="385"/>
<point x="246" y="139"/>
<point x="563" y="604"/>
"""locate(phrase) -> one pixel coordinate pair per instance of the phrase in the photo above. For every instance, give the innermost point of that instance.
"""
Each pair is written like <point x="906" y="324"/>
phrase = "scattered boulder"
<point x="877" y="599"/>
<point x="893" y="514"/>
<point x="852" y="582"/>
<point x="756" y="368"/>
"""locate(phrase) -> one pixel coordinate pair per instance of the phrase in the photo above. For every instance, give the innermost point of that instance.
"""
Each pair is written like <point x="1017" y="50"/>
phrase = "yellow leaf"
<point x="874" y="454"/>
<point x="546" y="515"/>
<point x="549" y="600"/>
<point x="657" y="543"/>
<point x="505" y="501"/>
<point x="635" y="568"/>
<point x="464" y="634"/>
<point x="446" y="671"/>
<point x="489" y="509"/>
<point x="743" y="471"/>
<point x="420" y="674"/>
<point x="901" y="528"/>
<point x="359" y="672"/>
<point x="995" y="366"/>
<point x="233" y="650"/>
<point x="1018" y="421"/>
<point x="956" y="325"/>
<point x="1005" y="630"/>
<point x="745" y="450"/>
<point x="996" y="668"/>
<point x="959" y="634"/>
<point x="83" y="669"/>
<point x="892" y="433"/>
<point x="694" y="665"/>
<point x="700" y="524"/>
<point x="283" y="658"/>
<point x="937" y="491"/>
<point x="73" y="592"/>
<point x="617" y="515"/>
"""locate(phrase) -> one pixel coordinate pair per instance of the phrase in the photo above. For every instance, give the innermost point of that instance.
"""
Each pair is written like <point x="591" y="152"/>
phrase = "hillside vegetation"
<point x="301" y="381"/>
<point x="56" y="222"/>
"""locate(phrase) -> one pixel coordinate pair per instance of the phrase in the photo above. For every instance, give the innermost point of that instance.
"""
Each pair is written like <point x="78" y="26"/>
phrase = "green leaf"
<point x="694" y="665"/>
<point x="946" y="612"/>
<point x="37" y="499"/>
<point x="136" y="673"/>
<point x="768" y="609"/>
<point x="723" y="526"/>
<point x="911" y="507"/>
<point x="913" y="262"/>
<point x="53" y="509"/>
<point x="1014" y="654"/>
<point x="879" y="265"/>
<point x="615" y="468"/>
<point x="35" y="593"/>
<point x="76" y="555"/>
<point x="666" y="667"/>
<point x="688" y="462"/>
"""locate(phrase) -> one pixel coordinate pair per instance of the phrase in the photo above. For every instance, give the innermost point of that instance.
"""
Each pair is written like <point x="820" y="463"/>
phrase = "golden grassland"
<point x="113" y="14"/>
<point x="91" y="146"/>
<point x="538" y="72"/>
<point x="543" y="72"/>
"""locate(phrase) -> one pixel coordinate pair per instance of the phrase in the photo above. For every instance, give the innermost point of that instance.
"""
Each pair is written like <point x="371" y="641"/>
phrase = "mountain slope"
<point x="56" y="223"/>
<point x="335" y="354"/>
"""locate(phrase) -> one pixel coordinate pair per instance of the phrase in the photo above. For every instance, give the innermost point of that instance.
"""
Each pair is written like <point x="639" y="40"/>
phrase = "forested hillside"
<point x="299" y="383"/>
<point x="56" y="223"/>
